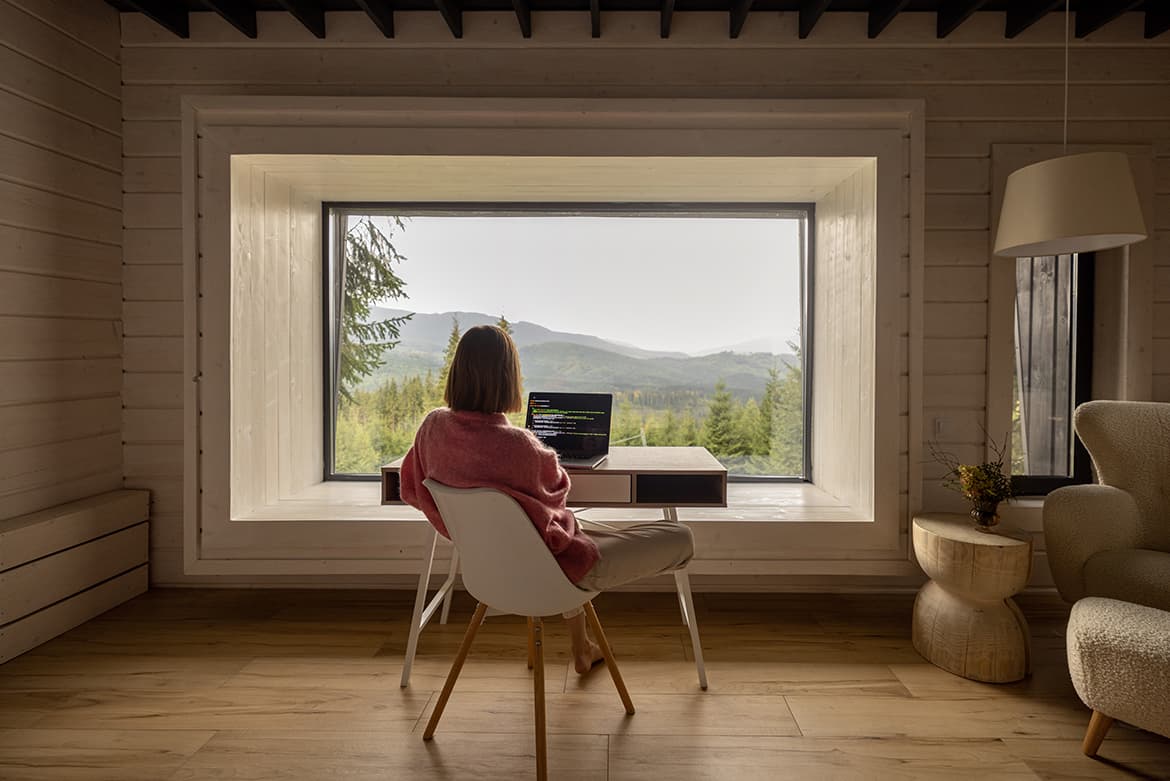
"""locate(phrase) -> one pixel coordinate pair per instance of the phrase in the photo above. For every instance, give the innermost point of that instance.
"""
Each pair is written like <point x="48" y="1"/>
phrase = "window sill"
<point x="746" y="502"/>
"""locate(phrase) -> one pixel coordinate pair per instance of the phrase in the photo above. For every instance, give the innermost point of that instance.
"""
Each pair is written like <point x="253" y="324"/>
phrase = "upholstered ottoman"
<point x="1119" y="659"/>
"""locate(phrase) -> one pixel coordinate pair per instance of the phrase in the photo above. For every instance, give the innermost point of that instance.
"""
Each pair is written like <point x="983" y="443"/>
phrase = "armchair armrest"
<point x="1083" y="520"/>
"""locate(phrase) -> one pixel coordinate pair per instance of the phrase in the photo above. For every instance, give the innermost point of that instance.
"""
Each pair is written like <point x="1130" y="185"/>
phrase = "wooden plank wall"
<point x="60" y="253"/>
<point x="979" y="89"/>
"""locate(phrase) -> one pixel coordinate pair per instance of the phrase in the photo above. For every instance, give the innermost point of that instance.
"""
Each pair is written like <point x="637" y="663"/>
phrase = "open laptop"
<point x="576" y="425"/>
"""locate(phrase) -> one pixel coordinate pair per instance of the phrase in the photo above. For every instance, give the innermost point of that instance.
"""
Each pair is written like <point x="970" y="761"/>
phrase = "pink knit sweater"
<point x="477" y="450"/>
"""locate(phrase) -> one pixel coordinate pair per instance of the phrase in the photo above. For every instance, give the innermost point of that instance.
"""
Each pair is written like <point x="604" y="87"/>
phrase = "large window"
<point x="693" y="316"/>
<point x="1053" y="337"/>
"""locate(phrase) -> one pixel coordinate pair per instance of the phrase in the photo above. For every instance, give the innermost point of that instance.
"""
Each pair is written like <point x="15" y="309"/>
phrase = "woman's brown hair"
<point x="485" y="372"/>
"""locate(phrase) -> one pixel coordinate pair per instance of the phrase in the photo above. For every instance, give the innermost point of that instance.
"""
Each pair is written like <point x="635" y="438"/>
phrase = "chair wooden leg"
<point x="538" y="699"/>
<point x="456" y="667"/>
<point x="610" y="662"/>
<point x="1099" y="724"/>
<point x="531" y="644"/>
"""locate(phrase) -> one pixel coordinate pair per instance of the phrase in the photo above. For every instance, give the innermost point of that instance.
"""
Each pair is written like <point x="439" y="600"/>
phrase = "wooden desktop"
<point x="664" y="477"/>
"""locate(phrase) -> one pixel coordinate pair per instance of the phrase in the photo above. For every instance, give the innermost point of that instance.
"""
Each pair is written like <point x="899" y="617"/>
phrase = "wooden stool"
<point x="964" y="619"/>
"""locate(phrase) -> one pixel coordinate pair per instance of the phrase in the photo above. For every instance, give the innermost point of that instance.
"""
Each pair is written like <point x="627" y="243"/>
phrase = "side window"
<point x="1053" y="370"/>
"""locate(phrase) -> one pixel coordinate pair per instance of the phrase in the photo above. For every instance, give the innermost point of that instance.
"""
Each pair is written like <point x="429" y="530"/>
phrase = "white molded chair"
<point x="507" y="565"/>
<point x="424" y="610"/>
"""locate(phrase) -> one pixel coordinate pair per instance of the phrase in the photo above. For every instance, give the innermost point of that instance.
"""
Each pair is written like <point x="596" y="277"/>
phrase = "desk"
<point x="638" y="477"/>
<point x="635" y="477"/>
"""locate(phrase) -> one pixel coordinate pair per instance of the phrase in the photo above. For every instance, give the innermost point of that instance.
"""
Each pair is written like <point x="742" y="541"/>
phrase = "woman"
<point x="471" y="444"/>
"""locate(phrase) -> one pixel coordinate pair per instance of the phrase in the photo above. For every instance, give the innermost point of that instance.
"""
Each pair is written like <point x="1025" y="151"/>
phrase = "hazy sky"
<point x="668" y="283"/>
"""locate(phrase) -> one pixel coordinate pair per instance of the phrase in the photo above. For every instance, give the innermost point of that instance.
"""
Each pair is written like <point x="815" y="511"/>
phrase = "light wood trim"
<point x="221" y="135"/>
<point x="457" y="665"/>
<point x="1098" y="728"/>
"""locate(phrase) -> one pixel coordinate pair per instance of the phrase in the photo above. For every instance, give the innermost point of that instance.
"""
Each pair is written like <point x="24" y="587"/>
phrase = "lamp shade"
<point x="1075" y="203"/>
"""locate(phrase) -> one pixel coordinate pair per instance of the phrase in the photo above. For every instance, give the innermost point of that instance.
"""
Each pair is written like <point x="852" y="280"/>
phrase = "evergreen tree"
<point x="767" y="410"/>
<point x="449" y="354"/>
<point x="749" y="430"/>
<point x="504" y="325"/>
<point x="368" y="277"/>
<point x="719" y="434"/>
<point x="788" y="420"/>
<point x="354" y="451"/>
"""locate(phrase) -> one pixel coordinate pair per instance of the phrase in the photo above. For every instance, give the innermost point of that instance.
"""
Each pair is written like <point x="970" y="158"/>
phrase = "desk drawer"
<point x="589" y="489"/>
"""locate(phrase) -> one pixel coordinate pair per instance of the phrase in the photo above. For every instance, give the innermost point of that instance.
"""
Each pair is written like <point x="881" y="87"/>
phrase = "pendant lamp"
<point x="1073" y="203"/>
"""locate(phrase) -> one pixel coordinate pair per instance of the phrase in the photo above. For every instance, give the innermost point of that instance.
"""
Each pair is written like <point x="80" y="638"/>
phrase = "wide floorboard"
<point x="238" y="684"/>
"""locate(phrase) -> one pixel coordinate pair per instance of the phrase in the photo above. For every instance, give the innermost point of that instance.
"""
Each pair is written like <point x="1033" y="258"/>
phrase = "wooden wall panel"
<point x="60" y="269"/>
<point x="979" y="89"/>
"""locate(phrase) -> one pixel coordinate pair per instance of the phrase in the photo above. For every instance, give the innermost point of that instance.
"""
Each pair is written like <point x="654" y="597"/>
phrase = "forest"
<point x="750" y="436"/>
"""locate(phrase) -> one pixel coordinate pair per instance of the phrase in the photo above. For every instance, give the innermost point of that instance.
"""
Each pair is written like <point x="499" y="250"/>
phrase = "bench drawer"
<point x="596" y="489"/>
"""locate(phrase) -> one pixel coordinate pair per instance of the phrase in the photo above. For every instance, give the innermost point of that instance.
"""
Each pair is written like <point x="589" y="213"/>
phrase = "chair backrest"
<point x="505" y="563"/>
<point x="1130" y="445"/>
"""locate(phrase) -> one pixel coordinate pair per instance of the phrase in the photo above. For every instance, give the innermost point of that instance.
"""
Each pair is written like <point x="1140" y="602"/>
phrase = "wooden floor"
<point x="304" y="685"/>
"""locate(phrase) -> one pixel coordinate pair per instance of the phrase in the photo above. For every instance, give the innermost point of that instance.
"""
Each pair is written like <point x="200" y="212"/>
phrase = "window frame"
<point x="1082" y="379"/>
<point x="332" y="212"/>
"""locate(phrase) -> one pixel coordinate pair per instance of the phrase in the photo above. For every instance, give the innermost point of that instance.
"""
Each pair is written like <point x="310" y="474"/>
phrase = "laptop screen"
<point x="576" y="425"/>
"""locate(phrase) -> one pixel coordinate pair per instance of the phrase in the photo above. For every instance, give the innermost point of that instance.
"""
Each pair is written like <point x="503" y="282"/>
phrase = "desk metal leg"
<point x="682" y="582"/>
<point x="449" y="586"/>
<point x="423" y="610"/>
<point x="420" y="598"/>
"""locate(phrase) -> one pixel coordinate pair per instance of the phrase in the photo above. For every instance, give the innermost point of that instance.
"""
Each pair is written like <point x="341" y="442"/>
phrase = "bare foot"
<point x="586" y="660"/>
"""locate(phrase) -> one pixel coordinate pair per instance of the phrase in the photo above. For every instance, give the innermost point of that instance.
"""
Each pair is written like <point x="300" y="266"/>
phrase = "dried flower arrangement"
<point x="984" y="485"/>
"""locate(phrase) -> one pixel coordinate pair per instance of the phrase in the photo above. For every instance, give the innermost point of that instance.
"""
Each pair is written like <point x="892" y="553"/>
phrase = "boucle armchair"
<point x="1113" y="539"/>
<point x="1119" y="660"/>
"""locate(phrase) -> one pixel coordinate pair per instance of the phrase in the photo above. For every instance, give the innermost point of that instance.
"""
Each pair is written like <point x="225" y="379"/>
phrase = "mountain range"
<point x="557" y="360"/>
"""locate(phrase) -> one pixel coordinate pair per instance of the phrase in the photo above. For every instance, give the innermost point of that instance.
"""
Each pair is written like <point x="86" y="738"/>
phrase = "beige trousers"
<point x="635" y="552"/>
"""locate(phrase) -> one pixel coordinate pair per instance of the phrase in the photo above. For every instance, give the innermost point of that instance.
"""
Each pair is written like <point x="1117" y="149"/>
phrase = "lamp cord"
<point x="1064" y="130"/>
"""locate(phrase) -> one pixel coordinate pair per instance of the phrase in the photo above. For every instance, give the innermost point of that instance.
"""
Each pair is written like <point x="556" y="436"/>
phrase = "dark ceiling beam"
<point x="739" y="15"/>
<point x="1021" y="15"/>
<point x="452" y="15"/>
<point x="238" y="14"/>
<point x="1093" y="16"/>
<point x="164" y="13"/>
<point x="665" y="18"/>
<point x="1157" y="22"/>
<point x="381" y="13"/>
<point x="595" y="18"/>
<point x="523" y="16"/>
<point x="810" y="14"/>
<point x="310" y="13"/>
<point x="881" y="13"/>
<point x="953" y="13"/>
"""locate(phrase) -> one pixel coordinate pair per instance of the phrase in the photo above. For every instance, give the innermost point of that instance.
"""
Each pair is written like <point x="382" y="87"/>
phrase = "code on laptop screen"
<point x="576" y="425"/>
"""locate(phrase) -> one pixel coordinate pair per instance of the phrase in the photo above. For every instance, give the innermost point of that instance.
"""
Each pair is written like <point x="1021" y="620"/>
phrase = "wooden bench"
<point x="62" y="566"/>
